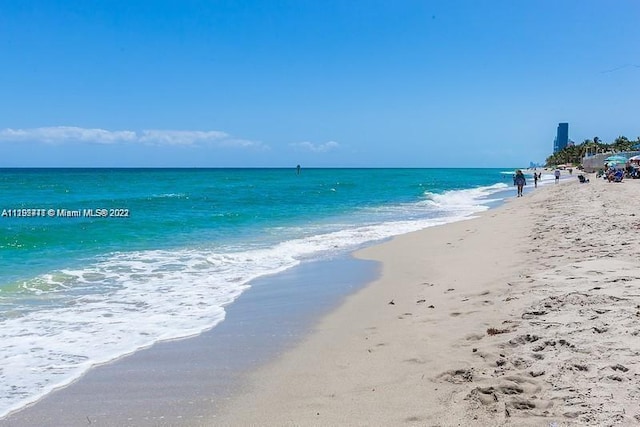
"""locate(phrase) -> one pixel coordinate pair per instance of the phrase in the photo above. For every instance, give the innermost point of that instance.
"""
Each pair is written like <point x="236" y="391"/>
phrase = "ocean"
<point x="99" y="263"/>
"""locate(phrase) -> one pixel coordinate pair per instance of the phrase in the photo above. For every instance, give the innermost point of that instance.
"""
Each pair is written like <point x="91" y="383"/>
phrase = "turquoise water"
<point x="98" y="263"/>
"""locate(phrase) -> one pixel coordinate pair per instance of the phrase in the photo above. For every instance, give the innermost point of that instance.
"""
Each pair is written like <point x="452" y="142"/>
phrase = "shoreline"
<point x="182" y="382"/>
<point x="526" y="314"/>
<point x="366" y="356"/>
<point x="88" y="375"/>
<point x="408" y="347"/>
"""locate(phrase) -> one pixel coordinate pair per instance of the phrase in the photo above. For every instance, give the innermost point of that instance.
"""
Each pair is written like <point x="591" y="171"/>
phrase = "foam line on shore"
<point x="182" y="382"/>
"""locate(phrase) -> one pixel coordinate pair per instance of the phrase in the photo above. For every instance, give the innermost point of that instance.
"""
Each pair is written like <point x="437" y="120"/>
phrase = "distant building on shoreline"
<point x="562" y="137"/>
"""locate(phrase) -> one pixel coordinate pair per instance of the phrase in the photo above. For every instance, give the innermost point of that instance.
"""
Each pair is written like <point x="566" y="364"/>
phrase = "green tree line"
<point x="573" y="154"/>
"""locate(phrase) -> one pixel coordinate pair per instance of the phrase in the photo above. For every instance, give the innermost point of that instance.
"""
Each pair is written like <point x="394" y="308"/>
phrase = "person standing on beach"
<point x="520" y="181"/>
<point x="535" y="180"/>
<point x="557" y="174"/>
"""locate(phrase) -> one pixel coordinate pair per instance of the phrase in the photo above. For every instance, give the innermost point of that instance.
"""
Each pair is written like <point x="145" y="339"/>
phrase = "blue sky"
<point x="319" y="83"/>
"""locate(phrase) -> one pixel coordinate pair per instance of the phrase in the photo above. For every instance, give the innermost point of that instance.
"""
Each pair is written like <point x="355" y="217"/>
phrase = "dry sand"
<point x="527" y="315"/>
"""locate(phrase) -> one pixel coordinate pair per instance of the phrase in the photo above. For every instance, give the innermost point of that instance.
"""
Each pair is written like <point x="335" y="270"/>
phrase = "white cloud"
<point x="64" y="134"/>
<point x="180" y="137"/>
<point x="60" y="134"/>
<point x="316" y="148"/>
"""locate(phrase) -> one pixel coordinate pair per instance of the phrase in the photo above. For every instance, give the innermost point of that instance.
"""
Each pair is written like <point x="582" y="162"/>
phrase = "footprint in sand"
<point x="517" y="393"/>
<point x="474" y="337"/>
<point x="523" y="339"/>
<point x="457" y="376"/>
<point x="521" y="404"/>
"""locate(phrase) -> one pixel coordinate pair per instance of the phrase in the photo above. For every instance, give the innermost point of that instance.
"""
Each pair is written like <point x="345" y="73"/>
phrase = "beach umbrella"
<point x="615" y="159"/>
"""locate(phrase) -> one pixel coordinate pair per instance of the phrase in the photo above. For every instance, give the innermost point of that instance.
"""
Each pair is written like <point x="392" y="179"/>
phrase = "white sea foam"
<point x="464" y="202"/>
<point x="123" y="302"/>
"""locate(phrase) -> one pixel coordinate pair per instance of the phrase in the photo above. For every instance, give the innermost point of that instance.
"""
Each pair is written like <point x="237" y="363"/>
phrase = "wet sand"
<point x="183" y="382"/>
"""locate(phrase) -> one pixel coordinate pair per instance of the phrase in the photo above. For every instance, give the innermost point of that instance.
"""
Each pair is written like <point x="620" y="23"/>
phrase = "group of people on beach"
<point x="616" y="174"/>
<point x="520" y="181"/>
<point x="536" y="177"/>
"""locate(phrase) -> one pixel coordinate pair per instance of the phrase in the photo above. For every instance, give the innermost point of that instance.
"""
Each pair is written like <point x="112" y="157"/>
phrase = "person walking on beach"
<point x="535" y="180"/>
<point x="557" y="174"/>
<point x="520" y="182"/>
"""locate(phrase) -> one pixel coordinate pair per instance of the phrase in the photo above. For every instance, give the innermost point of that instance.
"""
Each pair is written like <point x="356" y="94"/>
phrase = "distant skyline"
<point x="414" y="83"/>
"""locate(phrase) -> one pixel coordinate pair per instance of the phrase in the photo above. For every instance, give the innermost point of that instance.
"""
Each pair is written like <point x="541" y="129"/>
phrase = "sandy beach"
<point x="319" y="213"/>
<point x="527" y="315"/>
